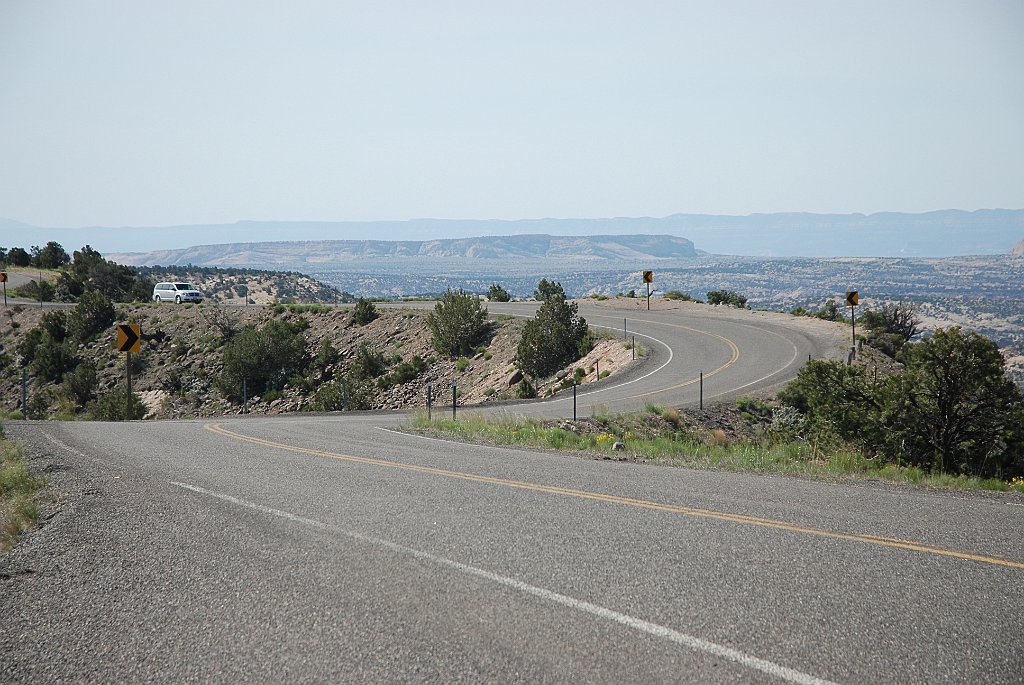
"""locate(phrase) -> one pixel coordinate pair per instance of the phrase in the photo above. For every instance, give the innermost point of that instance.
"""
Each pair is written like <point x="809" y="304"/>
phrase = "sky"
<point x="126" y="113"/>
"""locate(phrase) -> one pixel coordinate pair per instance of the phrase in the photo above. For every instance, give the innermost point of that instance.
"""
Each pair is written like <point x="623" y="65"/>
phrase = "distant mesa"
<point x="306" y="254"/>
<point x="1018" y="249"/>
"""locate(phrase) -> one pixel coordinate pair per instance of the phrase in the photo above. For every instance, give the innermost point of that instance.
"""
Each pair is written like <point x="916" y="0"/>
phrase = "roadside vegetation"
<point x="642" y="437"/>
<point x="948" y="417"/>
<point x="19" y="493"/>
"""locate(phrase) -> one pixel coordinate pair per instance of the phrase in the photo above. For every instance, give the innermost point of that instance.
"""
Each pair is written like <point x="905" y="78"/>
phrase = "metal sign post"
<point x="430" y="400"/>
<point x="3" y="279"/>
<point x="648" y="279"/>
<point x="853" y="299"/>
<point x="455" y="400"/>
<point x="129" y="336"/>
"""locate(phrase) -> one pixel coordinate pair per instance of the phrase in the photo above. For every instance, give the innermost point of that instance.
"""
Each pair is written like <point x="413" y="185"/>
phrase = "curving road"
<point x="333" y="549"/>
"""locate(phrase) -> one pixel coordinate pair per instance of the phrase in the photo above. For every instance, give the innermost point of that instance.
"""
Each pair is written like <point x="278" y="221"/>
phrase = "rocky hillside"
<point x="319" y="255"/>
<point x="181" y="360"/>
<point x="1018" y="249"/>
<point x="231" y="285"/>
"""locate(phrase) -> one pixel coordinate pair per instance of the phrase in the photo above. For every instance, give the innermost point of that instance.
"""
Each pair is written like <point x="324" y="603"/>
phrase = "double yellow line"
<point x="624" y="501"/>
<point x="732" y="359"/>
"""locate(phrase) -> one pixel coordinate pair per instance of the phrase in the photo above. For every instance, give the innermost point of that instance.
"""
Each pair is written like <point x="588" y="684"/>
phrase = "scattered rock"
<point x="515" y="378"/>
<point x="618" y="446"/>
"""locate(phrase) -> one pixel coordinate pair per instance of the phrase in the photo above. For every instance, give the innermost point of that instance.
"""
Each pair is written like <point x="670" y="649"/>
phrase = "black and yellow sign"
<point x="852" y="298"/>
<point x="3" y="276"/>
<point x="648" y="277"/>
<point x="128" y="336"/>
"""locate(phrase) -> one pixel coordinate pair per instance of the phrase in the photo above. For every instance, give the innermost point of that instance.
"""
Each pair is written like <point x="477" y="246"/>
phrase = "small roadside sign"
<point x="128" y="337"/>
<point x="3" y="276"/>
<point x="648" y="277"/>
<point x="852" y="298"/>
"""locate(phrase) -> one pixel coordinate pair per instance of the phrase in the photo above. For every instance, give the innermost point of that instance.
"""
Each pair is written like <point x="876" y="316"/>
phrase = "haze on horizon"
<point x="140" y="114"/>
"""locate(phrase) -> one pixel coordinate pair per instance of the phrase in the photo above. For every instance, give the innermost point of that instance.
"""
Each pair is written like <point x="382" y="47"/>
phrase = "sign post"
<point x="852" y="300"/>
<point x="574" y="400"/>
<point x="129" y="336"/>
<point x="3" y="279"/>
<point x="648" y="279"/>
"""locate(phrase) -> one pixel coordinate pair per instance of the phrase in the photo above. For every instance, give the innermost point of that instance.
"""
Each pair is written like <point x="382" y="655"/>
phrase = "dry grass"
<point x="19" y="508"/>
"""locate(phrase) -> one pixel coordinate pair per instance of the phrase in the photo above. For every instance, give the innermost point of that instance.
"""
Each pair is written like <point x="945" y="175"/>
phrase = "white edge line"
<point x="668" y="361"/>
<point x="785" y="366"/>
<point x="689" y="641"/>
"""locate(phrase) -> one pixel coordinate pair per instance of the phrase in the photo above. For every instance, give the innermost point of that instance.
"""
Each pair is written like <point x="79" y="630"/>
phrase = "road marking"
<point x="732" y="359"/>
<point x="695" y="512"/>
<point x="683" y="639"/>
<point x="668" y="361"/>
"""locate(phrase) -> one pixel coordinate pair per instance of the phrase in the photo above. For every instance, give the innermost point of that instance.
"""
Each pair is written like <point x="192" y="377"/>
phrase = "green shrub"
<point x="555" y="337"/>
<point x="525" y="390"/>
<point x="52" y="359"/>
<point x="404" y="372"/>
<point x="326" y="356"/>
<point x="364" y="312"/>
<point x="727" y="297"/>
<point x="498" y="294"/>
<point x="458" y="323"/>
<point x="952" y="410"/>
<point x="677" y="295"/>
<point x="81" y="383"/>
<point x="93" y="315"/>
<point x="264" y="357"/>
<point x="117" y="406"/>
<point x="462" y="364"/>
<point x="547" y="289"/>
<point x="368" y="364"/>
<point x="345" y="394"/>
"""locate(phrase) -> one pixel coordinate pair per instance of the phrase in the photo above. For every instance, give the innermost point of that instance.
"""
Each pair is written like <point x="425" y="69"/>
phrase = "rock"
<point x="515" y="378"/>
<point x="618" y="447"/>
<point x="561" y="374"/>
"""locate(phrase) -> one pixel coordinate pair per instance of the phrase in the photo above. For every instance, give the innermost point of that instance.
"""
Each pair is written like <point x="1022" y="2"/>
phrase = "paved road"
<point x="332" y="549"/>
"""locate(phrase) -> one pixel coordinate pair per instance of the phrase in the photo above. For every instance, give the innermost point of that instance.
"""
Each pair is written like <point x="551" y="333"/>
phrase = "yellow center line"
<point x="625" y="501"/>
<point x="732" y="360"/>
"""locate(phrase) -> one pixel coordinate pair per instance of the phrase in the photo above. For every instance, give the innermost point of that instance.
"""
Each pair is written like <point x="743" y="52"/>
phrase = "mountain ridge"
<point x="305" y="253"/>
<point x="940" y="233"/>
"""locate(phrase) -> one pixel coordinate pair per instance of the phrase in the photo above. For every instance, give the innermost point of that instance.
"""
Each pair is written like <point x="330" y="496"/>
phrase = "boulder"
<point x="515" y="378"/>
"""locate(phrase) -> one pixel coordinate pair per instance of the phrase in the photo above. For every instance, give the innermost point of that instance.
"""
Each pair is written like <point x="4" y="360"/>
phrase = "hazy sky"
<point x="192" y="111"/>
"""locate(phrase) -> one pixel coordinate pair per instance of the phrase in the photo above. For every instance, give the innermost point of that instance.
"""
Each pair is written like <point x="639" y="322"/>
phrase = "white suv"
<point x="176" y="292"/>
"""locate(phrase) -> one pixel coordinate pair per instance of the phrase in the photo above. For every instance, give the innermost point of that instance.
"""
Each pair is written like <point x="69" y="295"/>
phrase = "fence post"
<point x="430" y="401"/>
<point x="24" y="393"/>
<point x="574" y="400"/>
<point x="702" y="391"/>
<point x="245" y="395"/>
<point x="455" y="399"/>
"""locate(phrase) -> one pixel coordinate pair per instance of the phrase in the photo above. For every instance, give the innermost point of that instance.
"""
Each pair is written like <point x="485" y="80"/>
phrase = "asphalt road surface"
<point x="333" y="549"/>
